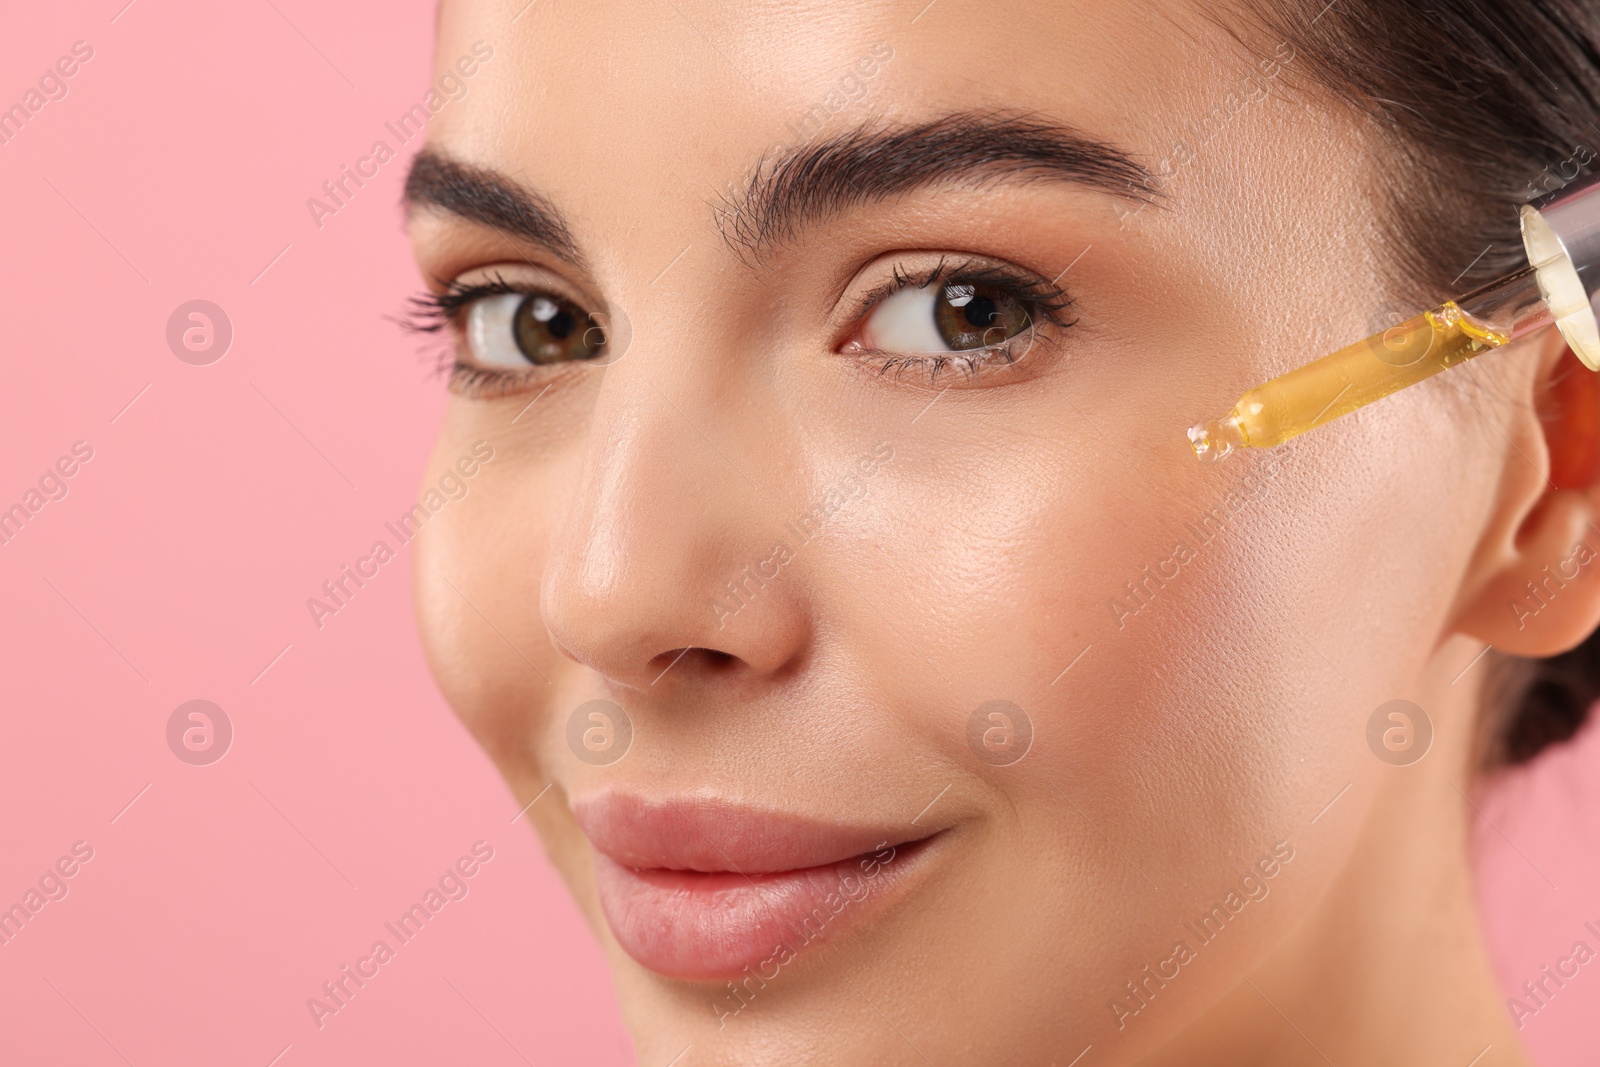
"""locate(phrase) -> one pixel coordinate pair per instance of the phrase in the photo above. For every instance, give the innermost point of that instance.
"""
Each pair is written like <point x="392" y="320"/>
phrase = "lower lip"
<point x="710" y="925"/>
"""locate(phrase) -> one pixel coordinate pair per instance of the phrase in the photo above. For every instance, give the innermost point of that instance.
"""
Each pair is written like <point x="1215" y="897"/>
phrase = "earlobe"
<point x="1541" y="593"/>
<point x="1546" y="600"/>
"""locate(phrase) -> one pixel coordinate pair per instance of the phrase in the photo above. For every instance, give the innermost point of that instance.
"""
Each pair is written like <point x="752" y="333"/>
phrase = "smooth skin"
<point x="1367" y="562"/>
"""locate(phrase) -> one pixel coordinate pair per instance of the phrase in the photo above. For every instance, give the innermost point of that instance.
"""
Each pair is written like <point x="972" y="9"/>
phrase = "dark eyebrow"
<point x="823" y="178"/>
<point x="491" y="199"/>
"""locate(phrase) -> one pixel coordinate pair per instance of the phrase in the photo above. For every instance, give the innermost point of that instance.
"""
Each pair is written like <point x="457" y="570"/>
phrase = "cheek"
<point x="475" y="575"/>
<point x="476" y="569"/>
<point x="1197" y="654"/>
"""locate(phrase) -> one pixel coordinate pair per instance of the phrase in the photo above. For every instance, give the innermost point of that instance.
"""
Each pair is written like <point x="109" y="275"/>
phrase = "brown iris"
<point x="551" y="330"/>
<point x="977" y="316"/>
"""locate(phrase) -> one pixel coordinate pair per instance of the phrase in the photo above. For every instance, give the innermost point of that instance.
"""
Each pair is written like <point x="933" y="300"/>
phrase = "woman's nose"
<point x="672" y="553"/>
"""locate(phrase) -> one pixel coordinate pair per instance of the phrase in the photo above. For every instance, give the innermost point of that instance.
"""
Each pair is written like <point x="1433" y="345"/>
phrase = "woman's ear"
<point x="1537" y="568"/>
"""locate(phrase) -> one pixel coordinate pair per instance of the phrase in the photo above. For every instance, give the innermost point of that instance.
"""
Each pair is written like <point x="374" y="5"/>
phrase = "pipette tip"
<point x="1217" y="439"/>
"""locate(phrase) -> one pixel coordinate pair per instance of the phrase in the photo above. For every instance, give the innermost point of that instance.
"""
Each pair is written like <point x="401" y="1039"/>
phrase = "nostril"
<point x="700" y="660"/>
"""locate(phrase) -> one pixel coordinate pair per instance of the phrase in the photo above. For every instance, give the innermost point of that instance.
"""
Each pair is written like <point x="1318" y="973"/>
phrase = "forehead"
<point x="582" y="98"/>
<point x="635" y="117"/>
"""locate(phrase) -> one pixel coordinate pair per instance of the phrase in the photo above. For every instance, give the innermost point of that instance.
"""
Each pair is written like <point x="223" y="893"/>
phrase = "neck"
<point x="1389" y="966"/>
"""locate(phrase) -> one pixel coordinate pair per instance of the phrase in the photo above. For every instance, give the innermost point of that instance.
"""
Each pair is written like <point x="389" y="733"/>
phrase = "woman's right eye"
<point x="513" y="331"/>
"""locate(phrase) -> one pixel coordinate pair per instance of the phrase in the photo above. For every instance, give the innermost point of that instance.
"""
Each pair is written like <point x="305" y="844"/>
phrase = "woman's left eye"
<point x="945" y="317"/>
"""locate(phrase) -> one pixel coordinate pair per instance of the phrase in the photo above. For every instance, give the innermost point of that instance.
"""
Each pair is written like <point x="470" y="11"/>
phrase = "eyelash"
<point x="1045" y="300"/>
<point x="437" y="312"/>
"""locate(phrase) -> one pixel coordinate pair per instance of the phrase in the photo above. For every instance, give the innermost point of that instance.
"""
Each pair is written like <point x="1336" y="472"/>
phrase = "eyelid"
<point x="449" y="298"/>
<point x="1045" y="294"/>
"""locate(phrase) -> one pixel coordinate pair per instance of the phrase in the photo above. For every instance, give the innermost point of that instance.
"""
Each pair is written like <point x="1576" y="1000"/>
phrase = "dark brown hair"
<point x="1473" y="108"/>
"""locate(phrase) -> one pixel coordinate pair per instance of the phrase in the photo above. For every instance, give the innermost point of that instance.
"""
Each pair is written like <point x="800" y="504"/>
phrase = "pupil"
<point x="552" y="331"/>
<point x="981" y="311"/>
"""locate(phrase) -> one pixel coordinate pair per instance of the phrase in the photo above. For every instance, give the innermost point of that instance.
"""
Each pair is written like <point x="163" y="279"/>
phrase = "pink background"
<point x="177" y="568"/>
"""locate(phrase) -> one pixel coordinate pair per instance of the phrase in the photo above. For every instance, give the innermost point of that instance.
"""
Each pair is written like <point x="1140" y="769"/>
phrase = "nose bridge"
<point x="661" y="513"/>
<point x="629" y="452"/>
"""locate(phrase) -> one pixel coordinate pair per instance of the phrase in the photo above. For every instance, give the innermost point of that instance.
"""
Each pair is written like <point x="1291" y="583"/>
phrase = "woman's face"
<point x="943" y="691"/>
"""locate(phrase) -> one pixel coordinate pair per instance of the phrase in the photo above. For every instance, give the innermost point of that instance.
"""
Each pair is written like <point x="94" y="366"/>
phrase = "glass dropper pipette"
<point x="1561" y="235"/>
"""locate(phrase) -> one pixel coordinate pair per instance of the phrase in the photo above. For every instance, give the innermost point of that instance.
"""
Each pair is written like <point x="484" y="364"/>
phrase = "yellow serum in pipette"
<point x="1350" y="378"/>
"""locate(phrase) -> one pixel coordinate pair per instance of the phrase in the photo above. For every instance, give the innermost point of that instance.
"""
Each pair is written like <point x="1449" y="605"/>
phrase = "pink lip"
<point x="701" y="889"/>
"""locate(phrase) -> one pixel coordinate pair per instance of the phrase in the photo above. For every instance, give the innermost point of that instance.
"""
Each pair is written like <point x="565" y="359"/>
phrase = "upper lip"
<point x="712" y="835"/>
